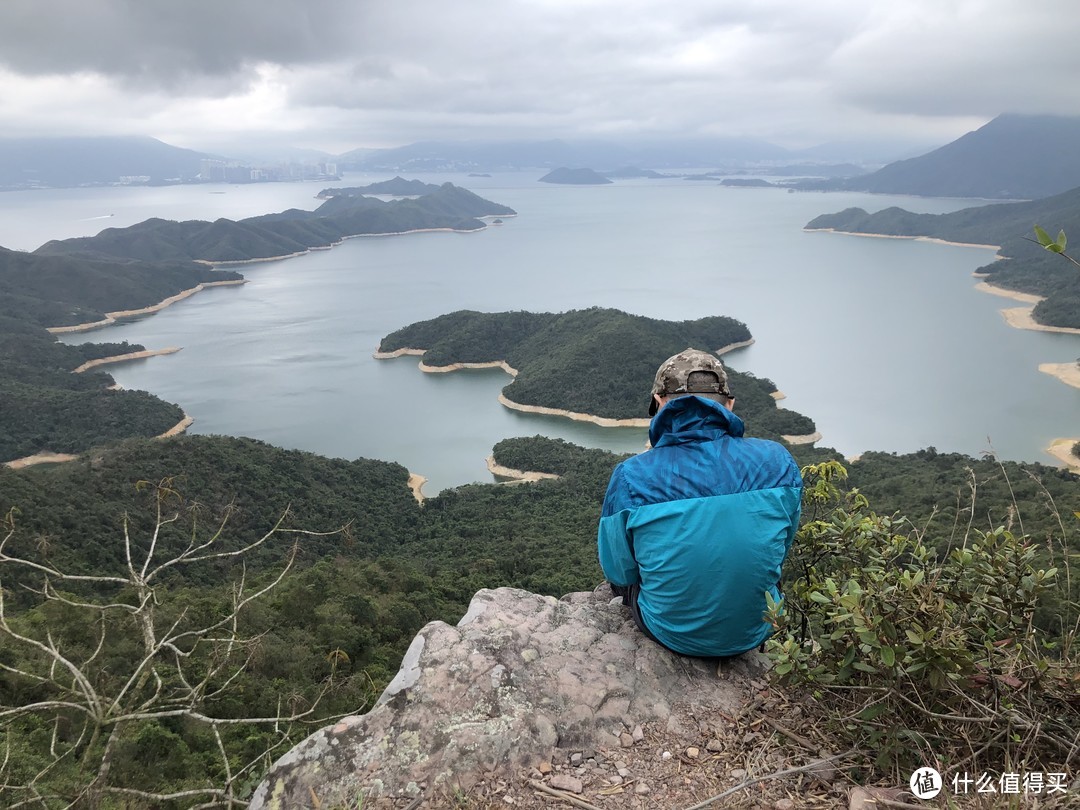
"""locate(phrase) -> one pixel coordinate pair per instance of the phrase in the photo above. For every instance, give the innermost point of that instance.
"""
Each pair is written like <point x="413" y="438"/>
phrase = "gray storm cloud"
<point x="410" y="69"/>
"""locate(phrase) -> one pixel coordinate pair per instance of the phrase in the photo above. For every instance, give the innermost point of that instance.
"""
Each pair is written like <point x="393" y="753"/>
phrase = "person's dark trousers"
<point x="629" y="594"/>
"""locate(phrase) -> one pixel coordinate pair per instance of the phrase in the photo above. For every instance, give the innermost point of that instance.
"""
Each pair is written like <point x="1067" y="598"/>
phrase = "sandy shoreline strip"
<point x="993" y="289"/>
<point x="44" y="457"/>
<point x="933" y="239"/>
<point x="416" y="485"/>
<point x="806" y="438"/>
<point x="1020" y="318"/>
<point x="178" y="428"/>
<point x="1061" y="449"/>
<point x="602" y="421"/>
<point x="733" y="346"/>
<point x="1068" y="373"/>
<point x="113" y="317"/>
<point x="513" y="372"/>
<point x="48" y="457"/>
<point x="516" y="476"/>
<point x="121" y="358"/>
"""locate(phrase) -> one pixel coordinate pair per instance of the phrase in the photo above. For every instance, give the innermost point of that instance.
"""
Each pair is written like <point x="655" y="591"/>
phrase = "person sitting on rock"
<point x="694" y="531"/>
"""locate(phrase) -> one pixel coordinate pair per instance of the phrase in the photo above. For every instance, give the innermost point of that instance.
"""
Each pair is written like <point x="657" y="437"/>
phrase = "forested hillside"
<point x="1012" y="157"/>
<point x="63" y="290"/>
<point x="286" y="233"/>
<point x="1026" y="268"/>
<point x="44" y="407"/>
<point x="384" y="566"/>
<point x="593" y="361"/>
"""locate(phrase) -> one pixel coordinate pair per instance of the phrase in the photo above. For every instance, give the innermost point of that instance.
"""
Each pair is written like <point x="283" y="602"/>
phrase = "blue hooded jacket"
<point x="702" y="522"/>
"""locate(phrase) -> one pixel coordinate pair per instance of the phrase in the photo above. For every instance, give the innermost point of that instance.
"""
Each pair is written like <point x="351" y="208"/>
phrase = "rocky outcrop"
<point x="519" y="678"/>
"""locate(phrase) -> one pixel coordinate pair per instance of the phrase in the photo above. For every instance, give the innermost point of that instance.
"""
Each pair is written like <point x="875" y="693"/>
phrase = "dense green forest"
<point x="1026" y="266"/>
<point x="62" y="290"/>
<point x="595" y="361"/>
<point x="341" y="619"/>
<point x="369" y="565"/>
<point x="44" y="407"/>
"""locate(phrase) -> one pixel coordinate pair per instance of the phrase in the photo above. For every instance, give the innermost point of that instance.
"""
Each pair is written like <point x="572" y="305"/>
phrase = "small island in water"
<point x="593" y="364"/>
<point x="574" y="177"/>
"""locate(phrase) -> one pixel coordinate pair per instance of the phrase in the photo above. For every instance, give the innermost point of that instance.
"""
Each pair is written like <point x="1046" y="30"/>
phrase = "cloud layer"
<point x="339" y="74"/>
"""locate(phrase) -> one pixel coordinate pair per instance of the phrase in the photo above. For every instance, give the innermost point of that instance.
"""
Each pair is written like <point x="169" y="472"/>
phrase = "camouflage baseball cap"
<point x="673" y="377"/>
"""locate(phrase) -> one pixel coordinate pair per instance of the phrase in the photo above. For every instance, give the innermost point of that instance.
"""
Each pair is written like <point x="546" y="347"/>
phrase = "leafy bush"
<point x="923" y="659"/>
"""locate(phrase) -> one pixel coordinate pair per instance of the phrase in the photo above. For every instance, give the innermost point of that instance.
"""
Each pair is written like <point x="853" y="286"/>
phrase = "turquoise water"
<point x="883" y="342"/>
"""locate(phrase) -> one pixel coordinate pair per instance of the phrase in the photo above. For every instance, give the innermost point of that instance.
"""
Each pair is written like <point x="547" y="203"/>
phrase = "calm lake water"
<point x="883" y="342"/>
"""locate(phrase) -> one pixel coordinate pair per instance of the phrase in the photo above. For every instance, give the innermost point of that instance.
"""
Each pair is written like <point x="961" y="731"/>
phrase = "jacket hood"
<point x="693" y="419"/>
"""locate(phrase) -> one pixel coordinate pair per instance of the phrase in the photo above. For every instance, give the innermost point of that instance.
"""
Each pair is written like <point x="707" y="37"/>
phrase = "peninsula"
<point x="594" y="365"/>
<point x="1023" y="266"/>
<point x="74" y="285"/>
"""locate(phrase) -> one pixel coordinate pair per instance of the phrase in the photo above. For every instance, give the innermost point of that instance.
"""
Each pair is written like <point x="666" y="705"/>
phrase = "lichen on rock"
<point x="519" y="677"/>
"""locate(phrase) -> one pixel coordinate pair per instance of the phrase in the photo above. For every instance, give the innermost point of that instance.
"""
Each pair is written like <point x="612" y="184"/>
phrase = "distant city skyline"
<point x="336" y="75"/>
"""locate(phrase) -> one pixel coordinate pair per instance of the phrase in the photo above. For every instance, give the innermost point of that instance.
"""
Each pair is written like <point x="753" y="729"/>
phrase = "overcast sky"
<point x="341" y="74"/>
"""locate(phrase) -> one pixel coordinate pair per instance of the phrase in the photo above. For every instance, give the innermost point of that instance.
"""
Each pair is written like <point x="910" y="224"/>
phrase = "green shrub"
<point x="923" y="660"/>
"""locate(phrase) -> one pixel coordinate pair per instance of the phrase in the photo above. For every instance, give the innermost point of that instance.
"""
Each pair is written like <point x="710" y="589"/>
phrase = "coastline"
<point x="1068" y="373"/>
<point x="122" y="358"/>
<point x="113" y="317"/>
<point x="1020" y="318"/>
<point x="1061" y="449"/>
<point x="236" y="262"/>
<point x="933" y="239"/>
<point x="416" y="485"/>
<point x="1026" y="298"/>
<point x="739" y="344"/>
<point x="49" y="457"/>
<point x="516" y="476"/>
<point x="805" y="438"/>
<point x="601" y="421"/>
<point x="178" y="428"/>
<point x="513" y="372"/>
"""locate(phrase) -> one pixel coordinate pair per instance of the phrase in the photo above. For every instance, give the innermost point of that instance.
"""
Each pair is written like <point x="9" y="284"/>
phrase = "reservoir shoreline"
<point x="602" y="421"/>
<point x="49" y="457"/>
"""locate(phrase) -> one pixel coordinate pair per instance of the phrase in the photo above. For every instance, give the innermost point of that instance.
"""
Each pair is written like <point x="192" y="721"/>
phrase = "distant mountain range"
<point x="1012" y="157"/>
<point x="1023" y="157"/>
<point x="60" y="162"/>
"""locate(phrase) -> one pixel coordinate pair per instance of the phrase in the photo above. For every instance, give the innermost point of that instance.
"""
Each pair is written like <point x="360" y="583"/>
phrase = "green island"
<point x="353" y="566"/>
<point x="1024" y="267"/>
<point x="396" y="187"/>
<point x="594" y="362"/>
<point x="574" y="177"/>
<point x="274" y="236"/>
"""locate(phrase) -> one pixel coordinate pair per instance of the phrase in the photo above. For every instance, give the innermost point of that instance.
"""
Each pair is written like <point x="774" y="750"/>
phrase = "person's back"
<point x="694" y="531"/>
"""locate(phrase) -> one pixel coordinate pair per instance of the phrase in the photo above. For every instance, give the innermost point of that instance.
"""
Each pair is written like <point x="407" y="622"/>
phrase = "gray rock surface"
<point x="519" y="677"/>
